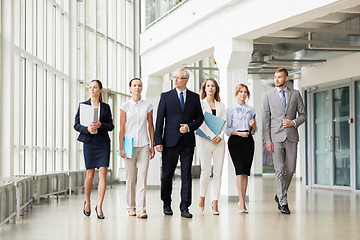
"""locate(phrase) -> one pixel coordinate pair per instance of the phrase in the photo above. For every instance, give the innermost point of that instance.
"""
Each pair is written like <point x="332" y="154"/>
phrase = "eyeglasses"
<point x="179" y="78"/>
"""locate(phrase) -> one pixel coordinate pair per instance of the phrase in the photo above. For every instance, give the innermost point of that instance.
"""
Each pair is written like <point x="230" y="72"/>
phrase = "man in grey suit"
<point x="283" y="113"/>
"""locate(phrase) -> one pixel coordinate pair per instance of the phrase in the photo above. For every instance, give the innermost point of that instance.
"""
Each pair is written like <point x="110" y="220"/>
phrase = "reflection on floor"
<point x="316" y="214"/>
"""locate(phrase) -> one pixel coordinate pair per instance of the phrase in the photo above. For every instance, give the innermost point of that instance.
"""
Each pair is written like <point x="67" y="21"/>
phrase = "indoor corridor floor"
<point x="316" y="214"/>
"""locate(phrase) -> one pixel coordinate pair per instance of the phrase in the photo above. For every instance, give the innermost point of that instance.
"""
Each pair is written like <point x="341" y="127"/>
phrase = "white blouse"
<point x="136" y="121"/>
<point x="238" y="118"/>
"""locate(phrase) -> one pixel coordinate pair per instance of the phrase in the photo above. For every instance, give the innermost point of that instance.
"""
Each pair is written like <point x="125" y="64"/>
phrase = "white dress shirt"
<point x="136" y="121"/>
<point x="184" y="94"/>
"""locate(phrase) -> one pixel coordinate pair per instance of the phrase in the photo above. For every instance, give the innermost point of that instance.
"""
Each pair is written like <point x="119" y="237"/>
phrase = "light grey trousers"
<point x="136" y="169"/>
<point x="284" y="156"/>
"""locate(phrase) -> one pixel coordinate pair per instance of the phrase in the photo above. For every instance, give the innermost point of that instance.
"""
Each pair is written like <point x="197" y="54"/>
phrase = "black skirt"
<point x="242" y="152"/>
<point x="97" y="152"/>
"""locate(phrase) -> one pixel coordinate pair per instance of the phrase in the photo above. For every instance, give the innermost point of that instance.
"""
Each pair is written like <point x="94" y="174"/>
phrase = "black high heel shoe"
<point x="85" y="212"/>
<point x="99" y="216"/>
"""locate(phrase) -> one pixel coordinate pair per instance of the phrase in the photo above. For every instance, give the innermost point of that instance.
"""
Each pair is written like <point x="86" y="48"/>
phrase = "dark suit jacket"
<point x="105" y="119"/>
<point x="169" y="112"/>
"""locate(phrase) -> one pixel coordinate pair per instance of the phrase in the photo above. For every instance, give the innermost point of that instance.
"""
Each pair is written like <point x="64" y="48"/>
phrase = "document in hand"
<point x="128" y="146"/>
<point x="214" y="123"/>
<point x="88" y="114"/>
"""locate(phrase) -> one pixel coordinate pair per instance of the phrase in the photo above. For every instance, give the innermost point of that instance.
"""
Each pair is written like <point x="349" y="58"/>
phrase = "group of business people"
<point x="180" y="113"/>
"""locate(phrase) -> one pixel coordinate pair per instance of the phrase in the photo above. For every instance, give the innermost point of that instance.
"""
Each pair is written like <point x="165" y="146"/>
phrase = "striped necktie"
<point x="283" y="98"/>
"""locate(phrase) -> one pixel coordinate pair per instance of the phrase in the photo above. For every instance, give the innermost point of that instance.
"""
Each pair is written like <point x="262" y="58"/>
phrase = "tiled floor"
<point x="316" y="214"/>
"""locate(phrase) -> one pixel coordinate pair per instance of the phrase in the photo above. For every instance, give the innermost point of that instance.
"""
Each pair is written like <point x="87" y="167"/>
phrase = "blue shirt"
<point x="238" y="118"/>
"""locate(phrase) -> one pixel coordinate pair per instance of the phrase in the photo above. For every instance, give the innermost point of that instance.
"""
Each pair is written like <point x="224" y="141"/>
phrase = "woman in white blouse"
<point x="214" y="149"/>
<point x="136" y="121"/>
<point x="241" y="126"/>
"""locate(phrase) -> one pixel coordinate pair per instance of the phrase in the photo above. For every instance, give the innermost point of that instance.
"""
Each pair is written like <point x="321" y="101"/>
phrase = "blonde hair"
<point x="239" y="87"/>
<point x="203" y="86"/>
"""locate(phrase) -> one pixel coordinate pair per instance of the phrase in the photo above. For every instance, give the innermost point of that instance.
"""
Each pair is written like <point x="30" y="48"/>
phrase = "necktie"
<point x="182" y="104"/>
<point x="283" y="98"/>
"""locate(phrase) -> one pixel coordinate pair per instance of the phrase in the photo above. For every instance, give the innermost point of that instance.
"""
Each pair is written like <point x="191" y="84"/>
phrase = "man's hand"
<point x="184" y="128"/>
<point x="287" y="123"/>
<point x="159" y="148"/>
<point x="270" y="147"/>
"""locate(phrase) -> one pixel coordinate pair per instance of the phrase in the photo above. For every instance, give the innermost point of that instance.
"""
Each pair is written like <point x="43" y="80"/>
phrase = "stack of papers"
<point x="88" y="114"/>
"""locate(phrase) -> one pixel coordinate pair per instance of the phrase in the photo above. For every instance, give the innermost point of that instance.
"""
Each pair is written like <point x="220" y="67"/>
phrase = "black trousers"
<point x="170" y="157"/>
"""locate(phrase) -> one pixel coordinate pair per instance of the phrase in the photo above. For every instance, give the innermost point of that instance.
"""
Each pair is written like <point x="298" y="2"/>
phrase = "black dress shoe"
<point x="85" y="212"/>
<point x="167" y="210"/>
<point x="99" y="216"/>
<point x="277" y="200"/>
<point x="186" y="214"/>
<point x="285" y="209"/>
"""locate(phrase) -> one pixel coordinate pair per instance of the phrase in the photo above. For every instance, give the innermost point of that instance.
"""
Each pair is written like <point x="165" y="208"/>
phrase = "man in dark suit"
<point x="180" y="110"/>
<point x="283" y="113"/>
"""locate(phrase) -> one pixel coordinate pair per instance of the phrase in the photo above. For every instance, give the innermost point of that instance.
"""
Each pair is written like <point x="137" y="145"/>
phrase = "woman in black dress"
<point x="96" y="145"/>
<point x="241" y="126"/>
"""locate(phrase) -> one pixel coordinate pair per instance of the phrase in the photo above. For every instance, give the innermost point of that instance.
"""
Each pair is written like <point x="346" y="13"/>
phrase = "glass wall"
<point x="107" y="53"/>
<point x="41" y="39"/>
<point x="43" y="117"/>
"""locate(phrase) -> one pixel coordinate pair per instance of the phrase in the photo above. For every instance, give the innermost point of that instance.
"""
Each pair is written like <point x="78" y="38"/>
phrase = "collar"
<point x="178" y="91"/>
<point x="135" y="103"/>
<point x="279" y="89"/>
<point x="238" y="105"/>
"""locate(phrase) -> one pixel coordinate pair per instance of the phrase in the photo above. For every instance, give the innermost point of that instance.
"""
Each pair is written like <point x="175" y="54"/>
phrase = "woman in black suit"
<point x="96" y="146"/>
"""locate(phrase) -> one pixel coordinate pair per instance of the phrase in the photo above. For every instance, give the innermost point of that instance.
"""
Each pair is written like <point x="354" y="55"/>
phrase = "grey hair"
<point x="185" y="71"/>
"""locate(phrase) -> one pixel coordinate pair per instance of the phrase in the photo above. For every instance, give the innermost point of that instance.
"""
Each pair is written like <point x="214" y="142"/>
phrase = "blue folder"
<point x="128" y="145"/>
<point x="214" y="123"/>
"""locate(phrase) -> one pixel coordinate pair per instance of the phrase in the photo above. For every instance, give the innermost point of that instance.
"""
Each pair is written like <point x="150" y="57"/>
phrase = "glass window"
<point x="103" y="38"/>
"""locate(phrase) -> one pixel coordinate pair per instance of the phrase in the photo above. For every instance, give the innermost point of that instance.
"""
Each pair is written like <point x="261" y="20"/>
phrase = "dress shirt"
<point x="286" y="97"/>
<point x="238" y="118"/>
<point x="136" y="121"/>
<point x="280" y="94"/>
<point x="184" y="94"/>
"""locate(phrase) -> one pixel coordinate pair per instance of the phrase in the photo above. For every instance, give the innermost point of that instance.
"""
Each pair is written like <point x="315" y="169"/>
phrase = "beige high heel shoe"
<point x="201" y="203"/>
<point x="214" y="207"/>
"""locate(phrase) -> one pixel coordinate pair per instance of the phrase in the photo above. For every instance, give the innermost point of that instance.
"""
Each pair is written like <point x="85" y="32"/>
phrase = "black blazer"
<point x="170" y="113"/>
<point x="105" y="119"/>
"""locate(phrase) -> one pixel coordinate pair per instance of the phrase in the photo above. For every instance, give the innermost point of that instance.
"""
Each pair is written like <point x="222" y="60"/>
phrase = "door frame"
<point x="310" y="171"/>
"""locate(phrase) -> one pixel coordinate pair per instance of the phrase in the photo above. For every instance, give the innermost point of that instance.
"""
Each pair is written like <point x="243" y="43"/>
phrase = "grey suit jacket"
<point x="273" y="113"/>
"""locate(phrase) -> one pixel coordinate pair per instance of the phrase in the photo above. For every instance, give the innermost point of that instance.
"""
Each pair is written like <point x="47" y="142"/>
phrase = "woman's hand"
<point x="252" y="123"/>
<point x="216" y="140"/>
<point x="91" y="129"/>
<point x="96" y="124"/>
<point x="243" y="134"/>
<point x="152" y="153"/>
<point x="122" y="153"/>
